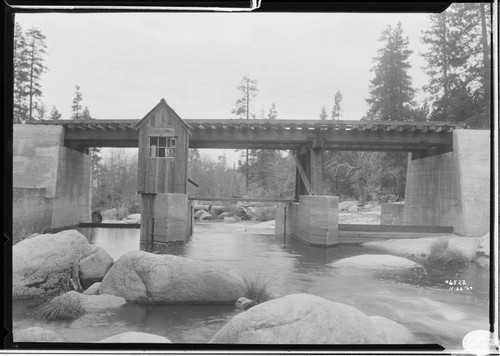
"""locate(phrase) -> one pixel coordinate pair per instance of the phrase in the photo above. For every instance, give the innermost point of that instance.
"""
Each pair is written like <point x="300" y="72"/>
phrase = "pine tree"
<point x="391" y="92"/>
<point x="458" y="64"/>
<point x="248" y="90"/>
<point x="272" y="114"/>
<point x="77" y="106"/>
<point x="54" y="114"/>
<point x="35" y="42"/>
<point x="337" y="110"/>
<point x="323" y="114"/>
<point x="86" y="114"/>
<point x="41" y="111"/>
<point x="21" y="76"/>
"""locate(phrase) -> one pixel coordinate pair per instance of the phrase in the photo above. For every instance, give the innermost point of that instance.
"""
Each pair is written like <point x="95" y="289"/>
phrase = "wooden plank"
<point x="263" y="200"/>
<point x="316" y="159"/>
<point x="303" y="175"/>
<point x="396" y="228"/>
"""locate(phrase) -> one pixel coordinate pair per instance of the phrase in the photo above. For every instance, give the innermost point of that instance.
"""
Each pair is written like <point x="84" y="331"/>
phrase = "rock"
<point x="93" y="289"/>
<point x="244" y="303"/>
<point x="146" y="277"/>
<point x="483" y="261"/>
<point x="375" y="261"/>
<point x="94" y="267"/>
<point x="223" y="215"/>
<point x="418" y="248"/>
<point x="45" y="264"/>
<point x="136" y="337"/>
<point x="110" y="214"/>
<point x="37" y="335"/>
<point x="483" y="245"/>
<point x="133" y="219"/>
<point x="96" y="217"/>
<point x="348" y="206"/>
<point x="122" y="213"/>
<point x="462" y="249"/>
<point x="93" y="303"/>
<point x="202" y="215"/>
<point x="231" y="219"/>
<point x="390" y="332"/>
<point x="307" y="319"/>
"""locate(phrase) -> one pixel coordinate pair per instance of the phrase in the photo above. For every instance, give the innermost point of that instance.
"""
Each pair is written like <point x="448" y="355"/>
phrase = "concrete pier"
<point x="313" y="220"/>
<point x="51" y="182"/>
<point x="452" y="189"/>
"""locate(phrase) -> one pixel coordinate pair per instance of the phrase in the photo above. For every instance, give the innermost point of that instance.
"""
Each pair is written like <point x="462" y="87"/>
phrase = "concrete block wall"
<point x="452" y="189"/>
<point x="392" y="214"/>
<point x="40" y="161"/>
<point x="172" y="217"/>
<point x="313" y="220"/>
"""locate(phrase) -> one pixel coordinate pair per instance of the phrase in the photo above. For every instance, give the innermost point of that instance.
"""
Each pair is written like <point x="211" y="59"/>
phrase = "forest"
<point x="457" y="53"/>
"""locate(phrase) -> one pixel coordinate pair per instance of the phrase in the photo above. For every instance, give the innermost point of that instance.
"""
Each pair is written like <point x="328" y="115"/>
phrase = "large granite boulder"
<point x="145" y="277"/>
<point x="446" y="249"/>
<point x="202" y="215"/>
<point x="37" y="335"/>
<point x="93" y="268"/>
<point x="307" y="319"/>
<point x="133" y="219"/>
<point x="136" y="337"/>
<point x="93" y="289"/>
<point x="374" y="261"/>
<point x="110" y="214"/>
<point x="46" y="264"/>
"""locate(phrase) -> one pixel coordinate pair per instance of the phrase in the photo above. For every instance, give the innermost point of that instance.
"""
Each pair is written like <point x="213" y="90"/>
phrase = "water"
<point x="418" y="298"/>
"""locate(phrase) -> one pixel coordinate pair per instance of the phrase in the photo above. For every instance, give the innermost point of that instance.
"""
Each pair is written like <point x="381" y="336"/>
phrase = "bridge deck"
<point x="275" y="134"/>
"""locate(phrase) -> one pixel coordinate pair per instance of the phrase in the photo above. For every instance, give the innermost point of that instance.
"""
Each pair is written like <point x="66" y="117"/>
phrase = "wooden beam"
<point x="303" y="175"/>
<point x="316" y="158"/>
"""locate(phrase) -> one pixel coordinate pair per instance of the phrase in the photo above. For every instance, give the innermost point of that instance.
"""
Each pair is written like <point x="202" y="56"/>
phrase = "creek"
<point x="418" y="298"/>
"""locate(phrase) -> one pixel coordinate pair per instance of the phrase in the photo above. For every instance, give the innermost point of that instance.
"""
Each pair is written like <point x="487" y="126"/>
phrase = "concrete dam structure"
<point x="448" y="180"/>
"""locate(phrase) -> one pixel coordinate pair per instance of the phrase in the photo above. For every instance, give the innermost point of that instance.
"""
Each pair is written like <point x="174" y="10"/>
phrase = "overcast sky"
<point x="125" y="63"/>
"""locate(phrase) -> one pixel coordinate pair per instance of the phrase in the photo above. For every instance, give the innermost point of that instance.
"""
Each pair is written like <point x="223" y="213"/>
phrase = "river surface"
<point x="418" y="298"/>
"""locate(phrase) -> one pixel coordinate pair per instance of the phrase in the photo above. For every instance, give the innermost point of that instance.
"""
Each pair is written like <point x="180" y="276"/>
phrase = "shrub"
<point x="256" y="288"/>
<point x="67" y="306"/>
<point x="441" y="252"/>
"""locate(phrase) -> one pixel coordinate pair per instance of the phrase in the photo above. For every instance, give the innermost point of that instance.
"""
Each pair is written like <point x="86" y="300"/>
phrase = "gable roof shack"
<point x="163" y="105"/>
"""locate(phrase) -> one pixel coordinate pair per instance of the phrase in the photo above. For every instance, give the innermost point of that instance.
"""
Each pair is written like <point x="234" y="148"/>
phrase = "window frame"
<point x="166" y="145"/>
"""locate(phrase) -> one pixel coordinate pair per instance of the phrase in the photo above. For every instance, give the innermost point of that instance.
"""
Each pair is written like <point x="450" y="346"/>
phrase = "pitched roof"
<point x="161" y="104"/>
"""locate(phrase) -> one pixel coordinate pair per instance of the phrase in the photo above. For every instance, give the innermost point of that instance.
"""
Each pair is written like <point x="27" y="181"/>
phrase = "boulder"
<point x="46" y="264"/>
<point x="140" y="276"/>
<point x="94" y="267"/>
<point x="37" y="335"/>
<point x="93" y="303"/>
<point x="223" y="215"/>
<point x="133" y="219"/>
<point x="348" y="206"/>
<point x="483" y="261"/>
<point x="136" y="337"/>
<point x="110" y="214"/>
<point x="483" y="245"/>
<point x="244" y="303"/>
<point x="375" y="261"/>
<point x="93" y="289"/>
<point x="202" y="215"/>
<point x="307" y="319"/>
<point x="417" y="248"/>
<point x="122" y="213"/>
<point x="389" y="332"/>
<point x="231" y="219"/>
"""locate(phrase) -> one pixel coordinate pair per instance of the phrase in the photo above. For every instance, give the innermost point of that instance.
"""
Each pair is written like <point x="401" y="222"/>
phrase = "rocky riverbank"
<point x="54" y="264"/>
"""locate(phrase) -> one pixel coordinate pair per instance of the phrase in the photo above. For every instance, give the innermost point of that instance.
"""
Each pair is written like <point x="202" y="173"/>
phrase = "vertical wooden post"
<point x="316" y="170"/>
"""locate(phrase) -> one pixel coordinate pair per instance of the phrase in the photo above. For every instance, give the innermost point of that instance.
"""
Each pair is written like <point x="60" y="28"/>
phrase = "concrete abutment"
<point x="452" y="189"/>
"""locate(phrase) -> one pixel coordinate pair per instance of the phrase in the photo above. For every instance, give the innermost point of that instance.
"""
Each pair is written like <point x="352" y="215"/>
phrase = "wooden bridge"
<point x="438" y="187"/>
<point x="425" y="138"/>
